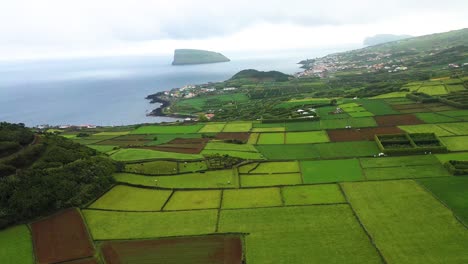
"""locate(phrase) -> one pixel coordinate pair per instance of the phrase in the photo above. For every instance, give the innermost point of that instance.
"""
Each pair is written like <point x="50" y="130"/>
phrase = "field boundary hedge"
<point x="457" y="167"/>
<point x="411" y="141"/>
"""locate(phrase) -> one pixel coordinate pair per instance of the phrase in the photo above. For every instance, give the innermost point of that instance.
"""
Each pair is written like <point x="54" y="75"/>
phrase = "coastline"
<point x="158" y="112"/>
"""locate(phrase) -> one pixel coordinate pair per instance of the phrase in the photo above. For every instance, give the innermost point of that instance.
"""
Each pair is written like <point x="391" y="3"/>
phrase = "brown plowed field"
<point x="397" y="120"/>
<point x="82" y="261"/>
<point x="61" y="237"/>
<point x="242" y="136"/>
<point x="193" y="250"/>
<point x="356" y="134"/>
<point x="181" y="145"/>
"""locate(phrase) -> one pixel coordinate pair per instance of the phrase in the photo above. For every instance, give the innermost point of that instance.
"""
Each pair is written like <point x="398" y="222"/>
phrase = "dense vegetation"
<point x="191" y="56"/>
<point x="49" y="175"/>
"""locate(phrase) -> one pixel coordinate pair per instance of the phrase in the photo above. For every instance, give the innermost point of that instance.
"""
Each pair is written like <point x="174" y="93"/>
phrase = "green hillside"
<point x="192" y="56"/>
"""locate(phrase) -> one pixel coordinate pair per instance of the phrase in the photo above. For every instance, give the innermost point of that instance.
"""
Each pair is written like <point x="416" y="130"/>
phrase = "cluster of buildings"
<point x="190" y="91"/>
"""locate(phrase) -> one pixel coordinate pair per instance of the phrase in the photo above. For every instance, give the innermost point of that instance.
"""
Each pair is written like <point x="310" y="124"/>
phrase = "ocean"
<point x="108" y="91"/>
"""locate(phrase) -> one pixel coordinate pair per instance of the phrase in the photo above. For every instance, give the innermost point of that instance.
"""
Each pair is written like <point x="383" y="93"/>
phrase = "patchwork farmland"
<point x="331" y="190"/>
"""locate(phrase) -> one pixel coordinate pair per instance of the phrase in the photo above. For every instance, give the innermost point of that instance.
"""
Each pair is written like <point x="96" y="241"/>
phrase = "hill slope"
<point x="192" y="56"/>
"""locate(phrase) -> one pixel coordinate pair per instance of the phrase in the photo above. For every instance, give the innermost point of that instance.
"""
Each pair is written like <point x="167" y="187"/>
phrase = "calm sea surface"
<point x="106" y="91"/>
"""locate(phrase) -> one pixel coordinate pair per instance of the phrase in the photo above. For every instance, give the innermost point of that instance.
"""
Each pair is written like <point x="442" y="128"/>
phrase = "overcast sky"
<point x="70" y="28"/>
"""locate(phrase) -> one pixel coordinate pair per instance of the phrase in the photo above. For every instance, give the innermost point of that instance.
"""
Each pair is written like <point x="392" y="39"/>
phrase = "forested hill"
<point x="49" y="173"/>
<point x="192" y="56"/>
<point x="255" y="75"/>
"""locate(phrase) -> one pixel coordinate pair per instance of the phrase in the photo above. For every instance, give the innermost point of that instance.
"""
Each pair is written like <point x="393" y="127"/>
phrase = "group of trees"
<point x="53" y="174"/>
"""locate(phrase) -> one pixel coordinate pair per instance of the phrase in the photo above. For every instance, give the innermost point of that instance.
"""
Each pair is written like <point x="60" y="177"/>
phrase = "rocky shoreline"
<point x="156" y="98"/>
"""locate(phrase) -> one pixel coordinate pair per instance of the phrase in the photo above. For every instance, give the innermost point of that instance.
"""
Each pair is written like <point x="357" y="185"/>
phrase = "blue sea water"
<point x="107" y="91"/>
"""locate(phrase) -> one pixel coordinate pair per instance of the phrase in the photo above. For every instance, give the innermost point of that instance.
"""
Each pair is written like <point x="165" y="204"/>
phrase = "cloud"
<point x="61" y="26"/>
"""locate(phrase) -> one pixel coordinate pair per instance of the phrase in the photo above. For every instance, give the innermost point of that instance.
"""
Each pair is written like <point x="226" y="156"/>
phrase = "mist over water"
<point x="109" y="91"/>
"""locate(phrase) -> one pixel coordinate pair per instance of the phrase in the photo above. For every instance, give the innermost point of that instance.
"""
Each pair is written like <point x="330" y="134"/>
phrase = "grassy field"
<point x="164" y="138"/>
<point x="274" y="167"/>
<point x="435" y="118"/>
<point x="421" y="171"/>
<point x="146" y="154"/>
<point x="304" y="234"/>
<point x="230" y="146"/>
<point x="407" y="224"/>
<point x="212" y="128"/>
<point x="188" y="200"/>
<point x="110" y="133"/>
<point x="103" y="148"/>
<point x="353" y="122"/>
<point x="459" y="129"/>
<point x="106" y="225"/>
<point x="306" y="137"/>
<point x="459" y="143"/>
<point x="270" y="179"/>
<point x="253" y="138"/>
<point x="347" y="149"/>
<point x="167" y="129"/>
<point x="251" y="198"/>
<point x="193" y="166"/>
<point x="303" y="126"/>
<point x="16" y="245"/>
<point x="209" y="179"/>
<point x="153" y="167"/>
<point x="268" y="129"/>
<point x="322" y="171"/>
<point x="271" y="138"/>
<point x="452" y="156"/>
<point x="289" y="152"/>
<point x="452" y="191"/>
<point x="240" y="154"/>
<point x="132" y="199"/>
<point x="398" y="161"/>
<point x="426" y="128"/>
<point x="238" y="127"/>
<point x="312" y="194"/>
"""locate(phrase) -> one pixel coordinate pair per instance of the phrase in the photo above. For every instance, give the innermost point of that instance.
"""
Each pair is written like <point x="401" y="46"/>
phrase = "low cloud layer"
<point x="48" y="26"/>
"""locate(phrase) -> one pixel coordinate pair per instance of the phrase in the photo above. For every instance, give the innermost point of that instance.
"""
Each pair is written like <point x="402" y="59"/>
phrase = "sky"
<point x="32" y="29"/>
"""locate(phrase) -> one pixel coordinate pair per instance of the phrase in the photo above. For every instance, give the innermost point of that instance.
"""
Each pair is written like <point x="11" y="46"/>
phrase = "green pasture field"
<point x="347" y="149"/>
<point x="307" y="137"/>
<point x="188" y="200"/>
<point x="238" y="127"/>
<point x="276" y="167"/>
<point x="426" y="128"/>
<point x="458" y="129"/>
<point x="253" y="138"/>
<point x="268" y="129"/>
<point x="208" y="179"/>
<point x="271" y="138"/>
<point x="301" y="102"/>
<point x="407" y="223"/>
<point x="452" y="156"/>
<point x="255" y="180"/>
<point x="323" y="171"/>
<point x="403" y="161"/>
<point x="421" y="171"/>
<point x="91" y="139"/>
<point x="433" y="90"/>
<point x="102" y="148"/>
<point x="452" y="191"/>
<point x="353" y="122"/>
<point x="146" y="154"/>
<point x="247" y="167"/>
<point x="110" y="133"/>
<point x="312" y="194"/>
<point x="459" y="143"/>
<point x="199" y="103"/>
<point x="434" y="118"/>
<point x="240" y="154"/>
<point x="324" y="113"/>
<point x="300" y="234"/>
<point x="105" y="225"/>
<point x="390" y="95"/>
<point x="153" y="167"/>
<point x="167" y="129"/>
<point x="251" y="198"/>
<point x="230" y="146"/>
<point x="267" y="125"/>
<point x="303" y="126"/>
<point x="16" y="245"/>
<point x="455" y="88"/>
<point x="455" y="113"/>
<point x="289" y="152"/>
<point x="164" y="138"/>
<point x="128" y="198"/>
<point x="192" y="166"/>
<point x="361" y="114"/>
<point x="212" y="128"/>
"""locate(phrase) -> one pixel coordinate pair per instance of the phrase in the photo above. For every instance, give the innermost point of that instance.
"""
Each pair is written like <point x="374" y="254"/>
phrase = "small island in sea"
<point x="193" y="56"/>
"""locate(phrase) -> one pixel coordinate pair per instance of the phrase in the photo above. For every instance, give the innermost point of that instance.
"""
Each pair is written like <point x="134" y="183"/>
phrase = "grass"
<point x="390" y="95"/>
<point x="404" y="171"/>
<point x="153" y="167"/>
<point x="322" y="171"/>
<point x="146" y="154"/>
<point x="455" y="113"/>
<point x="193" y="166"/>
<point x="452" y="156"/>
<point x="433" y="118"/>
<point x="459" y="143"/>
<point x="303" y="234"/>
<point x="230" y="146"/>
<point x="347" y="149"/>
<point x="289" y="152"/>
<point x="188" y="200"/>
<point x="433" y="90"/>
<point x="238" y="127"/>
<point x="253" y="138"/>
<point x="452" y="191"/>
<point x="110" y="133"/>
<point x="16" y="245"/>
<point x="353" y="122"/>
<point x="270" y="179"/>
<point x="240" y="154"/>
<point x="167" y="129"/>
<point x="458" y="129"/>
<point x="164" y="138"/>
<point x="268" y="129"/>
<point x="128" y="198"/>
<point x="251" y="198"/>
<point x="398" y="161"/>
<point x="426" y="128"/>
<point x="306" y="137"/>
<point x="271" y="138"/>
<point x="303" y="126"/>
<point x="212" y="128"/>
<point x="277" y="167"/>
<point x="102" y="148"/>
<point x="361" y="114"/>
<point x="312" y="194"/>
<point x="407" y="224"/>
<point x="209" y="179"/>
<point x="106" y="225"/>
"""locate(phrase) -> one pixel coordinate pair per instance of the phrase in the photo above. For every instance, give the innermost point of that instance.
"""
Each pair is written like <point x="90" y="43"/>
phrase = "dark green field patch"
<point x="404" y="172"/>
<point x="322" y="171"/>
<point x="312" y="194"/>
